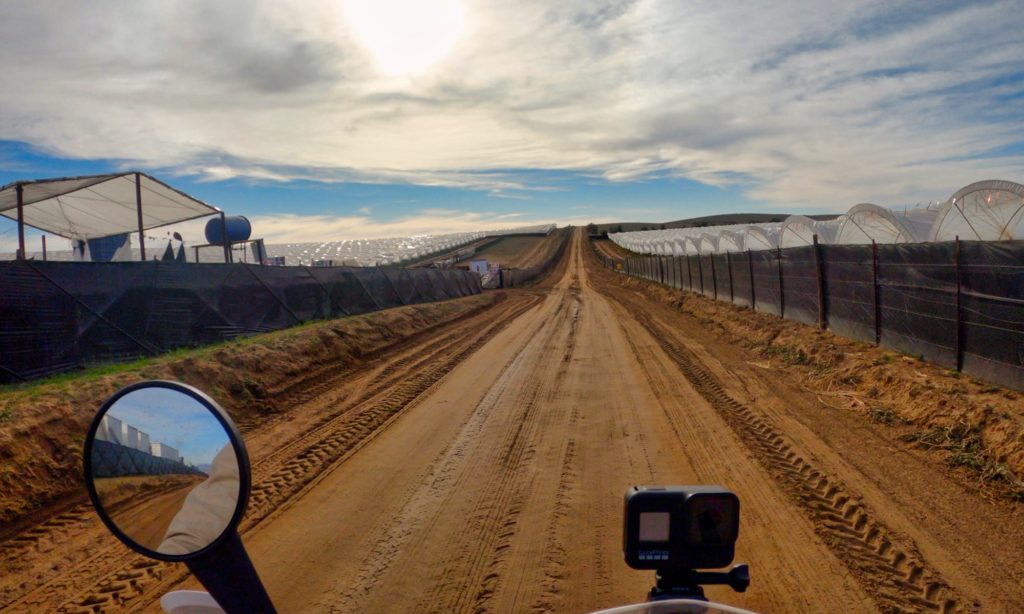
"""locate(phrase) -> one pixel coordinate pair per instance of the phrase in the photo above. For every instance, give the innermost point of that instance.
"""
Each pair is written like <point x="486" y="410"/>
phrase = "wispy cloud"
<point x="799" y="103"/>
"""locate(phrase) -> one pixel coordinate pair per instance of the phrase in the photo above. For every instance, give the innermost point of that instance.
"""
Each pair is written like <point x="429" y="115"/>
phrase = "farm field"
<point x="518" y="252"/>
<point x="474" y="457"/>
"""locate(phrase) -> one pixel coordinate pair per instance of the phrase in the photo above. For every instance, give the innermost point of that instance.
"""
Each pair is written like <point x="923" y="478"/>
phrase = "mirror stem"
<point x="230" y="577"/>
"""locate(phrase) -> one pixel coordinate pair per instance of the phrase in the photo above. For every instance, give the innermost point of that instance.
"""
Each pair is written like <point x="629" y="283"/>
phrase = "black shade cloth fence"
<point x="112" y="460"/>
<point x="57" y="316"/>
<point x="959" y="304"/>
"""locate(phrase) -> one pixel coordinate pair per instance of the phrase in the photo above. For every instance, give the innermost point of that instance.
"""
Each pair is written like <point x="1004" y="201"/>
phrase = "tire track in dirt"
<point x="891" y="571"/>
<point x="106" y="581"/>
<point x="553" y="562"/>
<point x="437" y="486"/>
<point x="472" y="573"/>
<point x="321" y="384"/>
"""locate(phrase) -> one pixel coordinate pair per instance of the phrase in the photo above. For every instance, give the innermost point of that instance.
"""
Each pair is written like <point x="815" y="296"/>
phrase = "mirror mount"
<point x="228" y="574"/>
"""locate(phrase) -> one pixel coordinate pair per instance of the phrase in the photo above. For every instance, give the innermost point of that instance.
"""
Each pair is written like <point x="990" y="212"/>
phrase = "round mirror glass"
<point x="163" y="470"/>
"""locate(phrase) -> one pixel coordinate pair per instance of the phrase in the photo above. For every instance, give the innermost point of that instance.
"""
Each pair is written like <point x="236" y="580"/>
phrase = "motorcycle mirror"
<point x="167" y="470"/>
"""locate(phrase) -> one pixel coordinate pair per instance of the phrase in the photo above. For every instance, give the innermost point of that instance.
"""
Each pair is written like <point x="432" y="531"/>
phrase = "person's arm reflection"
<point x="207" y="509"/>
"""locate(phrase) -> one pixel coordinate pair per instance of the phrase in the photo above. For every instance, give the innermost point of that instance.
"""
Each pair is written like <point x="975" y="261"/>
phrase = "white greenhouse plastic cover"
<point x="867" y="222"/>
<point x="983" y="211"/>
<point x="729" y="241"/>
<point x="799" y="230"/>
<point x="99" y="205"/>
<point x="760" y="237"/>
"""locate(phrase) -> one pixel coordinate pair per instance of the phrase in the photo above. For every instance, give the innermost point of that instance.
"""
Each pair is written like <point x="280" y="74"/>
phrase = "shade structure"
<point x="869" y="223"/>
<point x="98" y="206"/>
<point x="984" y="211"/>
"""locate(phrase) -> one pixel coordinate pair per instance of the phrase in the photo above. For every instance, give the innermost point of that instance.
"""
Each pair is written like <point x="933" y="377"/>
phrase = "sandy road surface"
<point x="502" y="490"/>
<point x="481" y="468"/>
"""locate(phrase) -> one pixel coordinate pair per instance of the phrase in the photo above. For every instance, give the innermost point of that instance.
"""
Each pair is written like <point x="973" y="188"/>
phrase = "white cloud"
<point x="806" y="103"/>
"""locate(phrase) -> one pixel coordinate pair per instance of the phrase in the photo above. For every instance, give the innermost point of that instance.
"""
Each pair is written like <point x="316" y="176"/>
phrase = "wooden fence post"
<point x="822" y="317"/>
<point x="877" y="292"/>
<point x="714" y="277"/>
<point x="782" y="291"/>
<point x="753" y="292"/>
<point x="728" y="263"/>
<point x="700" y="273"/>
<point x="959" y="309"/>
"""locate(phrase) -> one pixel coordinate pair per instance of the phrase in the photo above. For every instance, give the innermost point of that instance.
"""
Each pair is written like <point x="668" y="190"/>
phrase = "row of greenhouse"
<point x="984" y="211"/>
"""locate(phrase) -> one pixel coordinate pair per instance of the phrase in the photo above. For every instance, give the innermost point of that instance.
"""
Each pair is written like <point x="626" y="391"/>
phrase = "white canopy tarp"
<point x="99" y="205"/>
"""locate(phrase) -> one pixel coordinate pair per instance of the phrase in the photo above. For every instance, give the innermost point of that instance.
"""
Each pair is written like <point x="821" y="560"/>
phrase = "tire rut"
<point x="472" y="574"/>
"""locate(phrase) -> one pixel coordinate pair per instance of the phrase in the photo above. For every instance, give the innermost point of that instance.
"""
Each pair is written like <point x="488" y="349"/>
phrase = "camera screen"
<point x="654" y="526"/>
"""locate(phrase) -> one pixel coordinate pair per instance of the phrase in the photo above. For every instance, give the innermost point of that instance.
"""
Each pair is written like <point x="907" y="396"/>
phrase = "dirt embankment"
<point x="42" y="426"/>
<point x="610" y="249"/>
<point x="979" y="425"/>
<point x="520" y="251"/>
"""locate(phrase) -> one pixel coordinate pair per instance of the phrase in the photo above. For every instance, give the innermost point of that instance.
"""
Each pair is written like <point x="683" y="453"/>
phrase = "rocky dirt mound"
<point x="979" y="425"/>
<point x="43" y="425"/>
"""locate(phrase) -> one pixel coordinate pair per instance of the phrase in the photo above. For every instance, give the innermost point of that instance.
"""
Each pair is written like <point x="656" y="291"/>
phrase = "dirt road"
<point x="502" y="489"/>
<point x="481" y="467"/>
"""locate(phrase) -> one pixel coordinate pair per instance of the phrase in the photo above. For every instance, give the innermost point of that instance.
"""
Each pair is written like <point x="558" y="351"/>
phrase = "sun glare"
<point x="406" y="36"/>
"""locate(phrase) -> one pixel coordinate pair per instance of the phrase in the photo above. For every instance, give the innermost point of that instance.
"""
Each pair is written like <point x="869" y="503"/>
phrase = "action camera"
<point x="680" y="527"/>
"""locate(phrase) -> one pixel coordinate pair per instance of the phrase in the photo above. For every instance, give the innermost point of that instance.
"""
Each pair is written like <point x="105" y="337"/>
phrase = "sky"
<point x="375" y="118"/>
<point x="175" y="419"/>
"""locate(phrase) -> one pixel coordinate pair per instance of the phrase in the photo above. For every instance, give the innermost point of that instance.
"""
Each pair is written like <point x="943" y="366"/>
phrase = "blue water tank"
<point x="238" y="226"/>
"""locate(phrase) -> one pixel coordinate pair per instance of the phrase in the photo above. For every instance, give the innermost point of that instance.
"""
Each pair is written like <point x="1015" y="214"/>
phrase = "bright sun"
<point x="406" y="36"/>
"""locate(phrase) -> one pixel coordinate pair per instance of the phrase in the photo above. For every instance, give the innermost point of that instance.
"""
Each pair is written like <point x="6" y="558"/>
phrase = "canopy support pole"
<point x="21" y="222"/>
<point x="138" y="209"/>
<point x="227" y="244"/>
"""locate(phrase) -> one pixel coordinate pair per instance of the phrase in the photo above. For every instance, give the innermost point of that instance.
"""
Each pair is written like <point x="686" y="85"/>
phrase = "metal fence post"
<point x="753" y="292"/>
<point x="959" y="309"/>
<point x="782" y="291"/>
<point x="689" y="273"/>
<point x="877" y="292"/>
<point x="822" y="318"/>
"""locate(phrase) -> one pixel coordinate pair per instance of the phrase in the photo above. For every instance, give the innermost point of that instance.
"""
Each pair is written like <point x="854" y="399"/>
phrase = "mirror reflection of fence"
<point x="114" y="430"/>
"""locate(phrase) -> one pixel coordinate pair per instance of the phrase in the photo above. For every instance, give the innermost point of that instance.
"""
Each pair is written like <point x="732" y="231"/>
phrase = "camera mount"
<point x="673" y="583"/>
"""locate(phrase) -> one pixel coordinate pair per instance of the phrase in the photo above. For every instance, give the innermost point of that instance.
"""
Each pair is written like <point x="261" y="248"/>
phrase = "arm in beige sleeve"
<point x="207" y="509"/>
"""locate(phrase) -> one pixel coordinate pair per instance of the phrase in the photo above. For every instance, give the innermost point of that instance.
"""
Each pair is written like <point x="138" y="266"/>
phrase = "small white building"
<point x="129" y="436"/>
<point x="109" y="429"/>
<point x="162" y="450"/>
<point x="478" y="266"/>
<point x="142" y="445"/>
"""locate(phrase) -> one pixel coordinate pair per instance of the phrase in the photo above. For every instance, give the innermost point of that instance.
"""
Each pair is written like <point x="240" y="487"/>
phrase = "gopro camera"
<point x="680" y="527"/>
